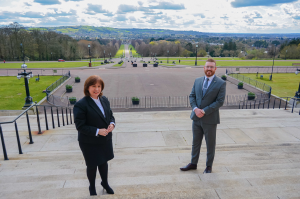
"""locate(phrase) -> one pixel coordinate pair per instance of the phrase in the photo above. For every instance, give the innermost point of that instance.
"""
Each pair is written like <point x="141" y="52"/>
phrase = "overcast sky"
<point x="240" y="16"/>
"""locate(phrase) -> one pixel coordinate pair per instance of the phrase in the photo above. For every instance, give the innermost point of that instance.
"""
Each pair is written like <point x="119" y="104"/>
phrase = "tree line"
<point x="40" y="45"/>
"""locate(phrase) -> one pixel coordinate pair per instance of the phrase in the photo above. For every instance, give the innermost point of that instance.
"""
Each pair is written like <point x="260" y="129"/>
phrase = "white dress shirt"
<point x="97" y="101"/>
<point x="208" y="84"/>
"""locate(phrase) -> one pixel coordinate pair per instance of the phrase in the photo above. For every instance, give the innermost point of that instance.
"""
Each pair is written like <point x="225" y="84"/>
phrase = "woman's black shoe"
<point x="92" y="191"/>
<point x="107" y="188"/>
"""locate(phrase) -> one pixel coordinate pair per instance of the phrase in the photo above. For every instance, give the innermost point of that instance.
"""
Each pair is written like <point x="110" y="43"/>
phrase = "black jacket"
<point x="88" y="117"/>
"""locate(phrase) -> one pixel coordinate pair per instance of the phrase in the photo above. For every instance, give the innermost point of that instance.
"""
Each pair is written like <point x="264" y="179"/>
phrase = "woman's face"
<point x="95" y="90"/>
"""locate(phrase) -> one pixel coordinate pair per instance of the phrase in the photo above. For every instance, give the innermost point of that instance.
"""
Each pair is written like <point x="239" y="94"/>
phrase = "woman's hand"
<point x="103" y="132"/>
<point x="110" y="128"/>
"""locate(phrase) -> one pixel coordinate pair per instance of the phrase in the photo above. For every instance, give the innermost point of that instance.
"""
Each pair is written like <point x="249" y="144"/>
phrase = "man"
<point x="207" y="96"/>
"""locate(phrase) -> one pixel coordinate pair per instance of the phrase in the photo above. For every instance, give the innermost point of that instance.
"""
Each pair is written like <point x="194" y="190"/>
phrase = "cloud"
<point x="297" y="17"/>
<point x="60" y="21"/>
<point x="247" y="3"/>
<point x="95" y="9"/>
<point x="73" y="0"/>
<point x="120" y="18"/>
<point x="123" y="8"/>
<point x="199" y="15"/>
<point x="168" y="6"/>
<point x="132" y="18"/>
<point x="140" y="3"/>
<point x="61" y="14"/>
<point x="27" y="4"/>
<point x="257" y="15"/>
<point x="47" y="2"/>
<point x="189" y="22"/>
<point x="224" y="17"/>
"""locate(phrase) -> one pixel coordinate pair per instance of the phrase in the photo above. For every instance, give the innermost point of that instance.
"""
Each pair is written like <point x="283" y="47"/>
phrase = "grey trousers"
<point x="209" y="131"/>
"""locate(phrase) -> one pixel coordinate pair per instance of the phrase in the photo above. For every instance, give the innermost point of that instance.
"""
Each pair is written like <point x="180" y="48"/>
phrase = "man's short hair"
<point x="211" y="60"/>
<point x="92" y="80"/>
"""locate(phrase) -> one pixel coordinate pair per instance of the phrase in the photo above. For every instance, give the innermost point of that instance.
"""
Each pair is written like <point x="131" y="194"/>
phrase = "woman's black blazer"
<point x="88" y="117"/>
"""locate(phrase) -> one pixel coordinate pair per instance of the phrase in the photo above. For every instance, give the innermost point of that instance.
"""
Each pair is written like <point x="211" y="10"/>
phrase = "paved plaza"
<point x="257" y="156"/>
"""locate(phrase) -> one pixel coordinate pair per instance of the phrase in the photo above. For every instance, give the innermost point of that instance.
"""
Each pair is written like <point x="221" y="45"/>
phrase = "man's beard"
<point x="211" y="73"/>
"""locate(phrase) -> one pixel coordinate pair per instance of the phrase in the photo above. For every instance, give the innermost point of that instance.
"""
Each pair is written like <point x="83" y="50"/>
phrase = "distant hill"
<point x="132" y="33"/>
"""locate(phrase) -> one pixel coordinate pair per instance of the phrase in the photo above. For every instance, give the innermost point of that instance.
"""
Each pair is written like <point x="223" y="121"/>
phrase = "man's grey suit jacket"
<point x="210" y="102"/>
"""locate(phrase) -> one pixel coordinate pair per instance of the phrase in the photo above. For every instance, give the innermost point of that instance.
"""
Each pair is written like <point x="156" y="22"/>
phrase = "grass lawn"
<point x="120" y="51"/>
<point x="12" y="91"/>
<point x="237" y="63"/>
<point x="198" y="58"/>
<point x="49" y="64"/>
<point x="283" y="84"/>
<point x="134" y="53"/>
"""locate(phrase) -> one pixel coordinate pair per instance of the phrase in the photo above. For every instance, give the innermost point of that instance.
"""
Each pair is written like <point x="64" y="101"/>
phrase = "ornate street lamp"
<point x="104" y="55"/>
<point x="273" y="63"/>
<point x="90" y="64"/>
<point x="196" y="55"/>
<point x="168" y="57"/>
<point x="110" y="56"/>
<point x="26" y="76"/>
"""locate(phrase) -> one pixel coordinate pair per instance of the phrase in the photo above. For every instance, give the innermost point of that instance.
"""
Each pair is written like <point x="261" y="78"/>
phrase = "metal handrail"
<point x="38" y="122"/>
<point x="18" y="115"/>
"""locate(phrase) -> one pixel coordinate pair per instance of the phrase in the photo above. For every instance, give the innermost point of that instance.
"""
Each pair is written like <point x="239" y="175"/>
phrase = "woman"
<point x="95" y="122"/>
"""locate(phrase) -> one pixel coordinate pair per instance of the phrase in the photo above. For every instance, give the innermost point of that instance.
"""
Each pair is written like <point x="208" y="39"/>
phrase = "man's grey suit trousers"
<point x="209" y="132"/>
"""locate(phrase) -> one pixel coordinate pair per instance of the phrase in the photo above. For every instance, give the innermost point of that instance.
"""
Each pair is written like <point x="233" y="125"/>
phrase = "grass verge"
<point x="12" y="91"/>
<point x="283" y="84"/>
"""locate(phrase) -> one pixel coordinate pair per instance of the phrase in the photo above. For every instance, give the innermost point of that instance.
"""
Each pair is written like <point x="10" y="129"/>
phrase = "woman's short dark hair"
<point x="92" y="80"/>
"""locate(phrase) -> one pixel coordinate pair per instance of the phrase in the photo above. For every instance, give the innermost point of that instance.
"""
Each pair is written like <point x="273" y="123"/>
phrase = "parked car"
<point x="61" y="60"/>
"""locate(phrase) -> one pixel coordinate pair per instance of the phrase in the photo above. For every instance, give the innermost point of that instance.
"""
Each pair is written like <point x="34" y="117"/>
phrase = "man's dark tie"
<point x="205" y="87"/>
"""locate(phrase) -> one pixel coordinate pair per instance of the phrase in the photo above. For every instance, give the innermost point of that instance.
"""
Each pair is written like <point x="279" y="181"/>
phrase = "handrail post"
<point x="293" y="105"/>
<point x="279" y="103"/>
<point x="29" y="129"/>
<point x="286" y="103"/>
<point x="274" y="103"/>
<point x="38" y="120"/>
<point x="53" y="125"/>
<point x="62" y="116"/>
<point x="58" y="124"/>
<point x="71" y="116"/>
<point x="18" y="139"/>
<point x="67" y="116"/>
<point x="46" y="120"/>
<point x="3" y="144"/>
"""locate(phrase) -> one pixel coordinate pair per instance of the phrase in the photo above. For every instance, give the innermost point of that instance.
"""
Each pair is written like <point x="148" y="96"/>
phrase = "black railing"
<point x="272" y="103"/>
<point x="262" y="70"/>
<point x="258" y="85"/>
<point x="58" y="82"/>
<point x="58" y="108"/>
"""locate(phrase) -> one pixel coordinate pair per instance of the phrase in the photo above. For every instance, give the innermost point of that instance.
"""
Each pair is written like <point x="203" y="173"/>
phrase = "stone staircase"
<point x="257" y="156"/>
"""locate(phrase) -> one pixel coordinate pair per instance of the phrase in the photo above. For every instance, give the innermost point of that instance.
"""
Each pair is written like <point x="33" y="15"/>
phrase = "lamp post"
<point x="110" y="56"/>
<point x="168" y="57"/>
<point x="273" y="63"/>
<point x="26" y="76"/>
<point x="51" y="57"/>
<point x="285" y="54"/>
<point x="104" y="56"/>
<point x="196" y="55"/>
<point x="90" y="64"/>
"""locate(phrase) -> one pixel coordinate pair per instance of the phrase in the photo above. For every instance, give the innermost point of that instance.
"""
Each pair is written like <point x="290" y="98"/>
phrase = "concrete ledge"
<point x="14" y="112"/>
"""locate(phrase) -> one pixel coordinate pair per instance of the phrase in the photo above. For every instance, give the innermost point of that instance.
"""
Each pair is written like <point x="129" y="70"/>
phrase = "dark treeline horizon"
<point x="40" y="45"/>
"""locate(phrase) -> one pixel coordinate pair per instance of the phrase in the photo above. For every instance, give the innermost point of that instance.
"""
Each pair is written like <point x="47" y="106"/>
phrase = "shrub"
<point x="240" y="84"/>
<point x="251" y="94"/>
<point x="68" y="86"/>
<point x="72" y="99"/>
<point x="223" y="76"/>
<point x="77" y="78"/>
<point x="135" y="99"/>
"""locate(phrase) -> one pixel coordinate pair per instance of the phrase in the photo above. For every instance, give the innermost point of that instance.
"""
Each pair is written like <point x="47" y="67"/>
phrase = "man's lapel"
<point x="212" y="84"/>
<point x="96" y="108"/>
<point x="201" y="86"/>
